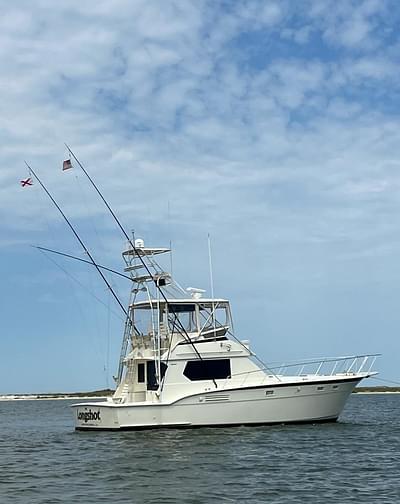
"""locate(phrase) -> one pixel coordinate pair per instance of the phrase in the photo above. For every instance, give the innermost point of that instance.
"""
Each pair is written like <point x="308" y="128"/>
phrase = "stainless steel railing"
<point x="327" y="366"/>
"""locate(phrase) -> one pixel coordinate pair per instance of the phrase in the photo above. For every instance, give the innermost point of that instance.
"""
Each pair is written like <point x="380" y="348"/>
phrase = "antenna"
<point x="210" y="266"/>
<point x="211" y="282"/>
<point x="170" y="240"/>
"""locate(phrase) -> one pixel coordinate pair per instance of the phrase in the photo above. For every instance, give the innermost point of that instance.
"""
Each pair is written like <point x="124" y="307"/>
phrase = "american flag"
<point x="67" y="164"/>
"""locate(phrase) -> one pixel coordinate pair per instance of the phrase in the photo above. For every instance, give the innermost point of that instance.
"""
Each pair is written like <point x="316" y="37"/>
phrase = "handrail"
<point x="329" y="366"/>
<point x="325" y="359"/>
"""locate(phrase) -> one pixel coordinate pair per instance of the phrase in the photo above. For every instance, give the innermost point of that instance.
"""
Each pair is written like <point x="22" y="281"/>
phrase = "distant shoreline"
<point x="376" y="390"/>
<point x="103" y="394"/>
<point x="38" y="397"/>
<point x="97" y="394"/>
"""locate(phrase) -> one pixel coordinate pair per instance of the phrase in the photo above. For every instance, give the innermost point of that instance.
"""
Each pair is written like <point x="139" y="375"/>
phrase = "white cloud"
<point x="350" y="24"/>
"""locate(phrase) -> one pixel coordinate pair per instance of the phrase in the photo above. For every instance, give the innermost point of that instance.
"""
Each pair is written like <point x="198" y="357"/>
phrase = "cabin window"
<point x="184" y="315"/>
<point x="181" y="308"/>
<point x="151" y="374"/>
<point x="140" y="376"/>
<point x="214" y="318"/>
<point x="208" y="369"/>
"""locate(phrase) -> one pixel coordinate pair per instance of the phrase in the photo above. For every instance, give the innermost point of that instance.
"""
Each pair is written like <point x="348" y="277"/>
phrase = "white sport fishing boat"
<point x="182" y="366"/>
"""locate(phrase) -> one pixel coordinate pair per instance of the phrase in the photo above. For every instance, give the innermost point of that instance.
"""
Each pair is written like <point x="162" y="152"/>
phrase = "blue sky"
<point x="273" y="126"/>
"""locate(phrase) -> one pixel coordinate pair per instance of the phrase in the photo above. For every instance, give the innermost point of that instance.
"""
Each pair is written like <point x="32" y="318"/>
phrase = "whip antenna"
<point x="211" y="284"/>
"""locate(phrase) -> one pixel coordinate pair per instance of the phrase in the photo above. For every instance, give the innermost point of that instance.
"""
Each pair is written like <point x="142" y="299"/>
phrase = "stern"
<point x="93" y="416"/>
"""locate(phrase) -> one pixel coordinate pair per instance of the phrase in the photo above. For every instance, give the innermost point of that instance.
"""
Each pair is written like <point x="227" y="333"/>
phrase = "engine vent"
<point x="217" y="398"/>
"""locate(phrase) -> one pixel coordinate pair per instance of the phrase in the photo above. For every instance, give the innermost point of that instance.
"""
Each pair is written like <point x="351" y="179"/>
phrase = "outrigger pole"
<point x="80" y="241"/>
<point x="184" y="332"/>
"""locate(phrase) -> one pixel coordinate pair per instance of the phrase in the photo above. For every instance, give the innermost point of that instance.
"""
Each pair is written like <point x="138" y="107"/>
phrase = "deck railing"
<point x="327" y="366"/>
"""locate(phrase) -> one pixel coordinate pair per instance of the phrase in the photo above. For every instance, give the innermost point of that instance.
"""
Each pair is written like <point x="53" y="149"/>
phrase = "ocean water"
<point x="43" y="460"/>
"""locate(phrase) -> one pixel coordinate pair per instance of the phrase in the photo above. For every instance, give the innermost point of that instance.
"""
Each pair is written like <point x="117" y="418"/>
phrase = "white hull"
<point x="315" y="401"/>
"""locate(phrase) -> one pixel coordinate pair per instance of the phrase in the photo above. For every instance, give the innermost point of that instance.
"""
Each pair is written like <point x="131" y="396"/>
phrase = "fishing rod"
<point x="138" y="254"/>
<point x="79" y="240"/>
<point x="82" y="260"/>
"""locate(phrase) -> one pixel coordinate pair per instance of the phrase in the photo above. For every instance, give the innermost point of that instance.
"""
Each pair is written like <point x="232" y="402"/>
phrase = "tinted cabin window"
<point x="140" y="376"/>
<point x="208" y="369"/>
<point x="151" y="374"/>
<point x="181" y="308"/>
<point x="163" y="368"/>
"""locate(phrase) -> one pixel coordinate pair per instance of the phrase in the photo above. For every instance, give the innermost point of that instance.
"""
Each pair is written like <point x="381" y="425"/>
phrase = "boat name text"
<point x="86" y="416"/>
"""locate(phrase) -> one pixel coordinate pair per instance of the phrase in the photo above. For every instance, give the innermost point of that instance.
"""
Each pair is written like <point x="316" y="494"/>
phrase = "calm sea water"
<point x="43" y="460"/>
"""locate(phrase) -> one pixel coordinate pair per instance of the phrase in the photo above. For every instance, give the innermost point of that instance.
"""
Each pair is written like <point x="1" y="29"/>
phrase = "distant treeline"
<point x="95" y="393"/>
<point x="61" y="395"/>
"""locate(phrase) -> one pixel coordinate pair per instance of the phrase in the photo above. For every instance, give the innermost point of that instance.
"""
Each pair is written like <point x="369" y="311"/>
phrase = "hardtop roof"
<point x="188" y="301"/>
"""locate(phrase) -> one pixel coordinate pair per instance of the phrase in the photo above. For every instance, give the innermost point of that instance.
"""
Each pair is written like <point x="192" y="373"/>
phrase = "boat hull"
<point x="253" y="405"/>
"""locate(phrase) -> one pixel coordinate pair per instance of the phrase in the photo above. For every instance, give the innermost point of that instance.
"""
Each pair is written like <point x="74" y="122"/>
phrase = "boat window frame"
<point x="207" y="369"/>
<point x="141" y="372"/>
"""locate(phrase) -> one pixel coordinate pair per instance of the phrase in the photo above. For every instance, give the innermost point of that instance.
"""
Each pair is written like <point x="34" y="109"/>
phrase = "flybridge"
<point x="163" y="314"/>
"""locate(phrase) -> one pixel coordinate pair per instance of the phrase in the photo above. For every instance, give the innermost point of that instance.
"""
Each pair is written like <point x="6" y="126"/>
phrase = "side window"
<point x="208" y="369"/>
<point x="163" y="369"/>
<point x="151" y="374"/>
<point x="140" y="375"/>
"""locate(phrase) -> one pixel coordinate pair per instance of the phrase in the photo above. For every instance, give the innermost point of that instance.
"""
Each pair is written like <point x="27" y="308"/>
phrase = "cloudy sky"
<point x="273" y="126"/>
